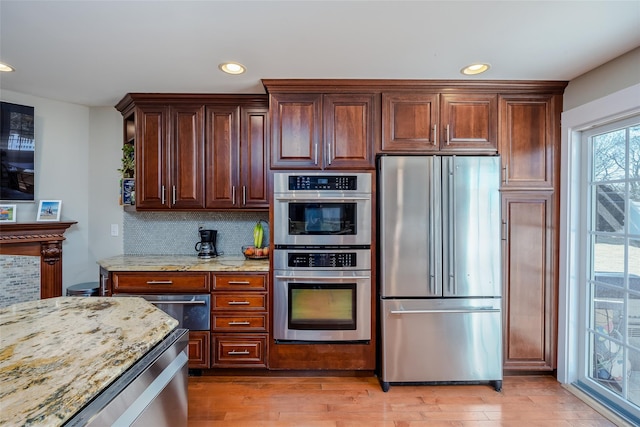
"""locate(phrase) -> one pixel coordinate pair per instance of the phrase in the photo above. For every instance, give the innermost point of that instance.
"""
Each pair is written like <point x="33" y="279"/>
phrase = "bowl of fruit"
<point x="252" y="252"/>
<point x="256" y="251"/>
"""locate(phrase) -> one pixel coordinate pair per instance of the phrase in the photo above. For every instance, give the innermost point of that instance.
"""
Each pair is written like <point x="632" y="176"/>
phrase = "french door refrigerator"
<point x="440" y="258"/>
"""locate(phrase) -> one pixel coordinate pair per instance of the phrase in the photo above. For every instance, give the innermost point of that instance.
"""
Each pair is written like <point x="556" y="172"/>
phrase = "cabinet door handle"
<point x="239" y="282"/>
<point x="237" y="352"/>
<point x="244" y="195"/>
<point x="435" y="134"/>
<point x="315" y="155"/>
<point x="448" y="139"/>
<point x="233" y="195"/>
<point x="173" y="194"/>
<point x="238" y="302"/>
<point x="329" y="154"/>
<point x="162" y="198"/>
<point x="235" y="323"/>
<point x="506" y="174"/>
<point x="505" y="228"/>
<point x="159" y="282"/>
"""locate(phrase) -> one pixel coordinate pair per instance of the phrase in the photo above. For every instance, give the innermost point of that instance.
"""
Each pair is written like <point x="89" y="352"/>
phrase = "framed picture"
<point x="7" y="213"/>
<point x="49" y="210"/>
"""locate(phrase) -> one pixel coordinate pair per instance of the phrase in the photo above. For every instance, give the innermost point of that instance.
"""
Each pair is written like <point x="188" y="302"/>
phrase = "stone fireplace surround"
<point x="41" y="239"/>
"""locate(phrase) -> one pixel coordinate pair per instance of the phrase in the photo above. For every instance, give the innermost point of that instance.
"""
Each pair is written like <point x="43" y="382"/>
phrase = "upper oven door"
<point x="322" y="220"/>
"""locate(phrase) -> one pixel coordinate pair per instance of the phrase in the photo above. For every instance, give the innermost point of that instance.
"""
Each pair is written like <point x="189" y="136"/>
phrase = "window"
<point x="610" y="297"/>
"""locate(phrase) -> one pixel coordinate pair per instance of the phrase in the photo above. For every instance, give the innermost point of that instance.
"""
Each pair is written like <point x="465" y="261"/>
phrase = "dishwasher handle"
<point x="454" y="310"/>
<point x="158" y="302"/>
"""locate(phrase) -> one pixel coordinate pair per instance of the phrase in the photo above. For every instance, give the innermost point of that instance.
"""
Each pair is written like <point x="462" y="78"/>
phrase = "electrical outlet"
<point x="114" y="230"/>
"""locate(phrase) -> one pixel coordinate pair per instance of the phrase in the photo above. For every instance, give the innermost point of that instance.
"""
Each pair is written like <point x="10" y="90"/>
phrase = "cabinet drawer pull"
<point x="236" y="323"/>
<point x="159" y="282"/>
<point x="238" y="302"/>
<point x="236" y="352"/>
<point x="239" y="282"/>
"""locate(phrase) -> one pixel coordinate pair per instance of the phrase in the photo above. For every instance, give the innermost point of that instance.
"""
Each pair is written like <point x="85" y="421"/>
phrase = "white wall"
<point x="77" y="156"/>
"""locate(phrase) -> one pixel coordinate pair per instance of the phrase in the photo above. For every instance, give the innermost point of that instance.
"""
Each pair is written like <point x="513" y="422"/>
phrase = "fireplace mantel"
<point x="41" y="239"/>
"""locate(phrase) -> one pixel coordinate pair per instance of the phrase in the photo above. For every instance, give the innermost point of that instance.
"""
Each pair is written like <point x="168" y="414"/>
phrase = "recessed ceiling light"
<point x="6" y="67"/>
<point x="232" y="68"/>
<point x="472" y="69"/>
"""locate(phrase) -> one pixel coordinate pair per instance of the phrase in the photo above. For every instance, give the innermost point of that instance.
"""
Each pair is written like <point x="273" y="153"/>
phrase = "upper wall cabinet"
<point x="429" y="121"/>
<point x="236" y="157"/>
<point x="199" y="151"/>
<point x="322" y="129"/>
<point x="529" y="136"/>
<point x="169" y="149"/>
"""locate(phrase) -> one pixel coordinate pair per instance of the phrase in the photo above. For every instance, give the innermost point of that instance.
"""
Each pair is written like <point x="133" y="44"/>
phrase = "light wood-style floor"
<point x="256" y="401"/>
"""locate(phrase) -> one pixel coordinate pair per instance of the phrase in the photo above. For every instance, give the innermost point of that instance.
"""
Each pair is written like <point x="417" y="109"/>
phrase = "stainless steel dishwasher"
<point x="193" y="312"/>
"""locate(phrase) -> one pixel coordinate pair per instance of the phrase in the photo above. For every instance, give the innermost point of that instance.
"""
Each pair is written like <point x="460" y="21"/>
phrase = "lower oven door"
<point x="193" y="312"/>
<point x="322" y="306"/>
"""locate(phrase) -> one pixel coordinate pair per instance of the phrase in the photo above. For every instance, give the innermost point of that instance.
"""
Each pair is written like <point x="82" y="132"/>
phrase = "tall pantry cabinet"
<point x="529" y="145"/>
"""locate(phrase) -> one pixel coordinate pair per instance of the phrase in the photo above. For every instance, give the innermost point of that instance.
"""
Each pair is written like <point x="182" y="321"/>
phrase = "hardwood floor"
<point x="258" y="401"/>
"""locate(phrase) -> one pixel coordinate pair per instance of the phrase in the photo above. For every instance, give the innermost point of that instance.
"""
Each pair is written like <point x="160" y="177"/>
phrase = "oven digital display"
<point x="328" y="259"/>
<point x="326" y="182"/>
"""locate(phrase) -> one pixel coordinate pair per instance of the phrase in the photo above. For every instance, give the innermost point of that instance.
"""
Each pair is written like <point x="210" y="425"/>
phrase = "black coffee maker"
<point x="206" y="247"/>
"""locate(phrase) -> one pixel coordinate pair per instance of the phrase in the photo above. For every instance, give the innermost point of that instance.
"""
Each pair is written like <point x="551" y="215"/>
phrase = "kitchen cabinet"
<point x="317" y="131"/>
<point x="530" y="291"/>
<point x="198" y="151"/>
<point x="529" y="140"/>
<point x="236" y="154"/>
<point x="434" y="122"/>
<point x="169" y="147"/>
<point x="239" y="320"/>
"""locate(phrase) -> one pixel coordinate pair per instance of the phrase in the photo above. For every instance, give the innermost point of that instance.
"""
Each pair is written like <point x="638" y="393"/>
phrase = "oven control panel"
<point x="324" y="182"/>
<point x="318" y="259"/>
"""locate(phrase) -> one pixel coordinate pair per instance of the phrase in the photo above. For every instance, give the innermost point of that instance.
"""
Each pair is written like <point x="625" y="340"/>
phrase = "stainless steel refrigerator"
<point x="440" y="258"/>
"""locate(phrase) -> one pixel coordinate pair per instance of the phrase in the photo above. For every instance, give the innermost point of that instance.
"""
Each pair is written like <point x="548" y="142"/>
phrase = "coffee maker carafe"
<point x="206" y="247"/>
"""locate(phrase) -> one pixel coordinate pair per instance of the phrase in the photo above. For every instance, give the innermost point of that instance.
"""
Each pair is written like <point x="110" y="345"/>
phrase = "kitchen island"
<point x="58" y="354"/>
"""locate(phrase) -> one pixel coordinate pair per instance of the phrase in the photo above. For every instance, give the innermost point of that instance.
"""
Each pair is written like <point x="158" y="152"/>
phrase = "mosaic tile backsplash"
<point x="20" y="279"/>
<point x="176" y="233"/>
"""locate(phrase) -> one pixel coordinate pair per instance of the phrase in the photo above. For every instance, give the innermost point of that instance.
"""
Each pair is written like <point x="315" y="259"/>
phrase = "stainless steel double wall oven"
<point x="322" y="257"/>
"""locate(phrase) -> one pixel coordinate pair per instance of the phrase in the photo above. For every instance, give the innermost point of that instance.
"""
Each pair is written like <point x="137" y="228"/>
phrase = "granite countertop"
<point x="182" y="263"/>
<point x="57" y="354"/>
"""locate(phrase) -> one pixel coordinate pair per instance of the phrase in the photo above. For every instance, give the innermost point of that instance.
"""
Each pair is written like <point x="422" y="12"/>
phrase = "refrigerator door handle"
<point x="457" y="310"/>
<point x="451" y="283"/>
<point x="430" y="237"/>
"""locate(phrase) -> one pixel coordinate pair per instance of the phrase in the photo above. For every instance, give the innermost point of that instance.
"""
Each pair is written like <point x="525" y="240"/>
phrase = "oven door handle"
<point x="321" y="199"/>
<point x="320" y="278"/>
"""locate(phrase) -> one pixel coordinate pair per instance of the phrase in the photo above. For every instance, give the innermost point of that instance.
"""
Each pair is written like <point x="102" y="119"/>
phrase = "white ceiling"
<point x="92" y="52"/>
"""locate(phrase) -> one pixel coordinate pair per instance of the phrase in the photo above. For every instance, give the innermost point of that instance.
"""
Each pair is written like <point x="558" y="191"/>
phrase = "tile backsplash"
<point x="176" y="233"/>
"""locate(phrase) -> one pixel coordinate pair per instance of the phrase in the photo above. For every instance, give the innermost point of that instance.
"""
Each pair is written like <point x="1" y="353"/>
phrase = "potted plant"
<point x="128" y="161"/>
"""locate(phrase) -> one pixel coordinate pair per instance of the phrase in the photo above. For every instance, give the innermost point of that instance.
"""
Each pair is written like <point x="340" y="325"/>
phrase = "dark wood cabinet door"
<point x="530" y="330"/>
<point x="151" y="157"/>
<point x="296" y="130"/>
<point x="410" y="122"/>
<point x="254" y="155"/>
<point x="187" y="157"/>
<point x="349" y="131"/>
<point x="221" y="156"/>
<point x="469" y="122"/>
<point x="529" y="128"/>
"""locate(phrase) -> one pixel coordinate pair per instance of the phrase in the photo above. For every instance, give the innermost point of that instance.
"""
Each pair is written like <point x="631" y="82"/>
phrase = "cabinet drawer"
<point x="231" y="323"/>
<point x="238" y="301"/>
<point x="161" y="282"/>
<point x="243" y="350"/>
<point x="240" y="282"/>
<point x="199" y="349"/>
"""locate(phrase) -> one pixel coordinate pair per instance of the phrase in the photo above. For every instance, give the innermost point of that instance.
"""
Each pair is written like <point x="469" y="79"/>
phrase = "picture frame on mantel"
<point x="8" y="213"/>
<point x="49" y="210"/>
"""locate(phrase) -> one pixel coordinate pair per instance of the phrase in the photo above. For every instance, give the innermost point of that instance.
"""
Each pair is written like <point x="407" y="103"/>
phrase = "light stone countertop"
<point x="57" y="354"/>
<point x="182" y="263"/>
